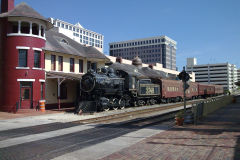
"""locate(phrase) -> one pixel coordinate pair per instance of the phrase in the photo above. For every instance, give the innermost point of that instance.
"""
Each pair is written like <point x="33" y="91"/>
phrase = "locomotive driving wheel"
<point x="122" y="103"/>
<point x="126" y="99"/>
<point x="115" y="103"/>
<point x="152" y="101"/>
<point x="106" y="109"/>
<point x="140" y="102"/>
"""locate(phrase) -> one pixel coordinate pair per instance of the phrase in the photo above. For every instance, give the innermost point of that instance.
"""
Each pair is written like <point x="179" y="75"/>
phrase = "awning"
<point x="71" y="76"/>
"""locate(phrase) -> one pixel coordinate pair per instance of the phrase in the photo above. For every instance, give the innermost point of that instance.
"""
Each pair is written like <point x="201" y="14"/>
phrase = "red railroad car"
<point x="205" y="90"/>
<point x="192" y="91"/>
<point x="172" y="90"/>
<point x="218" y="89"/>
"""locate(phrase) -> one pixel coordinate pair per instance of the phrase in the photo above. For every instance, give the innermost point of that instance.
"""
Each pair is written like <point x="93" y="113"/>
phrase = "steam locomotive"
<point x="122" y="85"/>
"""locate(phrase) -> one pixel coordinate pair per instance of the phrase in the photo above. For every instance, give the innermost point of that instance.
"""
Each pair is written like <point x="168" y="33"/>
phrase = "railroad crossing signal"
<point x="184" y="76"/>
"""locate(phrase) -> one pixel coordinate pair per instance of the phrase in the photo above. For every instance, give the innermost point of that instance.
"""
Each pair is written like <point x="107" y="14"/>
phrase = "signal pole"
<point x="184" y="97"/>
<point x="184" y="76"/>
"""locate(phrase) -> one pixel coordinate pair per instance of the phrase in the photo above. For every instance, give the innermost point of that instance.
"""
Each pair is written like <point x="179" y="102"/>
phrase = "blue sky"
<point x="206" y="29"/>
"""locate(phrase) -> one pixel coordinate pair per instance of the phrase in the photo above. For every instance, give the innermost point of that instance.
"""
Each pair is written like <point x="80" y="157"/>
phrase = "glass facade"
<point x="155" y="50"/>
<point x="86" y="36"/>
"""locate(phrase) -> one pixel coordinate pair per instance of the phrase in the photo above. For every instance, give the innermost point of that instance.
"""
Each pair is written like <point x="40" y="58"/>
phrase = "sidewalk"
<point x="26" y="113"/>
<point x="217" y="137"/>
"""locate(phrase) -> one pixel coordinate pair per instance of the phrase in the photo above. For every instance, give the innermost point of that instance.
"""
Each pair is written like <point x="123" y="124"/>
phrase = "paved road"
<point x="218" y="137"/>
<point x="72" y="140"/>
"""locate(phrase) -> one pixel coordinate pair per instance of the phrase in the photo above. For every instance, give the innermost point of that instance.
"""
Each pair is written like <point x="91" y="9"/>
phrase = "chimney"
<point x="119" y="59"/>
<point x="150" y="66"/>
<point x="7" y="5"/>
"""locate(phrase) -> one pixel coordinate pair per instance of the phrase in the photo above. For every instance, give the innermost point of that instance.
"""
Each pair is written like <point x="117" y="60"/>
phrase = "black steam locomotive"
<point x="117" y="87"/>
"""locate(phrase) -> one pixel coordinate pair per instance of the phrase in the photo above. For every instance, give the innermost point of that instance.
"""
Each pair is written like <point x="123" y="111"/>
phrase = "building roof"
<point x="23" y="10"/>
<point x="58" y="42"/>
<point x="129" y="69"/>
<point x="143" y="72"/>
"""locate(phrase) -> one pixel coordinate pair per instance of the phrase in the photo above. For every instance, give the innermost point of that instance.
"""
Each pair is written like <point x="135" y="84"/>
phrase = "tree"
<point x="238" y="83"/>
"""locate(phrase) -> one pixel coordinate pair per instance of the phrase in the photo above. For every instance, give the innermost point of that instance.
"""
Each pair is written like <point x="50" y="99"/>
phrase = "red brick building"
<point x="22" y="75"/>
<point x="28" y="44"/>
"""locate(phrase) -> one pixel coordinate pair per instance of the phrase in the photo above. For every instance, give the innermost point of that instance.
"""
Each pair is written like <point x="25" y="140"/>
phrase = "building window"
<point x="88" y="65"/>
<point x="42" y="90"/>
<point x="37" y="59"/>
<point x="53" y="62"/>
<point x="35" y="29"/>
<point x="60" y="63"/>
<point x="25" y="27"/>
<point x="91" y="65"/>
<point x="80" y="66"/>
<point x="58" y="24"/>
<point x="22" y="58"/>
<point x="71" y="64"/>
<point x="42" y="31"/>
<point x="14" y="27"/>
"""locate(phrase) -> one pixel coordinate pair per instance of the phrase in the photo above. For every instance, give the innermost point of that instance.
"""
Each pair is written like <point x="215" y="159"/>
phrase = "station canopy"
<point x="70" y="76"/>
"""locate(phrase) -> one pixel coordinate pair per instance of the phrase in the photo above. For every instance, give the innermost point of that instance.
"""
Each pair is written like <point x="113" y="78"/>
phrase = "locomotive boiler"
<point x="104" y="88"/>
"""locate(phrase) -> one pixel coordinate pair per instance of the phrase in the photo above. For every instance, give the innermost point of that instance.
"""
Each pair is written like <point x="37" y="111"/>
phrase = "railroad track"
<point x="133" y="114"/>
<point x="141" y="113"/>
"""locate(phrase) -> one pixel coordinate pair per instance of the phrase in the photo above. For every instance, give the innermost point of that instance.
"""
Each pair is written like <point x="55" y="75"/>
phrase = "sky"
<point x="208" y="30"/>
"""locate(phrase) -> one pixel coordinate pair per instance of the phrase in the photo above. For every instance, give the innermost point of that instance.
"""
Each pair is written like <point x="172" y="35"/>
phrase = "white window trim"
<point x="22" y="68"/>
<point x="26" y="80"/>
<point x="22" y="47"/>
<point x="42" y="80"/>
<point x="37" y="68"/>
<point x="37" y="49"/>
<point x="26" y="35"/>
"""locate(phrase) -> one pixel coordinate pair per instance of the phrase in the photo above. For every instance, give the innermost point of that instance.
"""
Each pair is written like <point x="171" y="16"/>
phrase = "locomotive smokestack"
<point x="119" y="59"/>
<point x="150" y="66"/>
<point x="6" y="5"/>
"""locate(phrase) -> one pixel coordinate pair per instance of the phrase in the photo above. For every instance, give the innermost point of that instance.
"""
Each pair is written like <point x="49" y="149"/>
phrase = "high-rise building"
<point x="238" y="75"/>
<point x="79" y="34"/>
<point x="151" y="50"/>
<point x="224" y="74"/>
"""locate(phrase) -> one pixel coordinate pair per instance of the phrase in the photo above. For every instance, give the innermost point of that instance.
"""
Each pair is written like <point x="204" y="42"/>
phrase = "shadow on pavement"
<point x="237" y="149"/>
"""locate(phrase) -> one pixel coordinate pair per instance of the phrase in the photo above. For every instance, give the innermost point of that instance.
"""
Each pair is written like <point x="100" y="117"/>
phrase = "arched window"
<point x="25" y="27"/>
<point x="64" y="41"/>
<point x="42" y="31"/>
<point x="35" y="29"/>
<point x="13" y="27"/>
